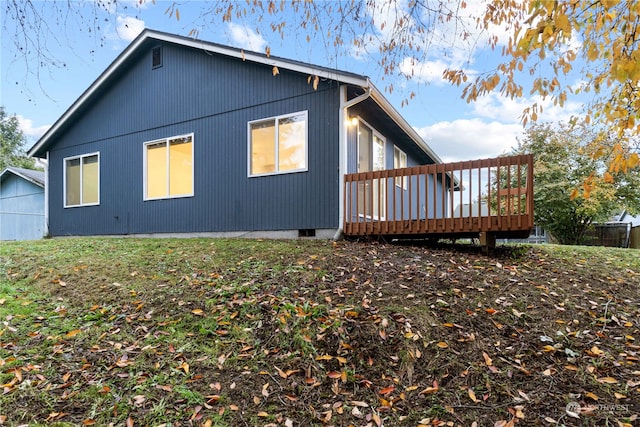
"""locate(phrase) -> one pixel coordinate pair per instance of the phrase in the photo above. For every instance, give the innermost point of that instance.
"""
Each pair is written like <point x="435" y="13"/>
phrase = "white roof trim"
<point x="198" y="44"/>
<point x="400" y="121"/>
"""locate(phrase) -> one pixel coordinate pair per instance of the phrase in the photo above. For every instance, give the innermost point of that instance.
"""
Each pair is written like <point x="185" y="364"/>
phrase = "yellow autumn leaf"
<point x="562" y="23"/>
<point x="73" y="333"/>
<point x="487" y="359"/>
<point x="607" y="380"/>
<point x="442" y="344"/>
<point x="591" y="396"/>
<point x="595" y="351"/>
<point x="608" y="177"/>
<point x="472" y="396"/>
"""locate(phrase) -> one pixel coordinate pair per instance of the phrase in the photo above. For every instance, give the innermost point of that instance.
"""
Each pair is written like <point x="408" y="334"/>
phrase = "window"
<point x="156" y="57"/>
<point x="168" y="168"/>
<point x="278" y="145"/>
<point x="82" y="180"/>
<point x="400" y="161"/>
<point x="371" y="199"/>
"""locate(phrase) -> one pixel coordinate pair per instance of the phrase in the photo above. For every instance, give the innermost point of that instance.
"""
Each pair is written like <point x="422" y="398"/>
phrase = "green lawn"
<point x="231" y="332"/>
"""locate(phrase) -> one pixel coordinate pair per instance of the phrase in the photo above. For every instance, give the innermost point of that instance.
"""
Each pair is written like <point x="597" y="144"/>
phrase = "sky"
<point x="38" y="94"/>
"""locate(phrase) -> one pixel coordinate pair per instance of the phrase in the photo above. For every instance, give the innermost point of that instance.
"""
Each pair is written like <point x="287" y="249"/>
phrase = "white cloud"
<point x="466" y="139"/>
<point x="246" y="38"/>
<point x="427" y="71"/>
<point x="128" y="27"/>
<point x="31" y="132"/>
<point x="496" y="107"/>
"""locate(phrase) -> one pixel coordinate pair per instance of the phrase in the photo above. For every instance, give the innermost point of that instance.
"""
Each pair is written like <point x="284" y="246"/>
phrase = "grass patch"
<point x="246" y="332"/>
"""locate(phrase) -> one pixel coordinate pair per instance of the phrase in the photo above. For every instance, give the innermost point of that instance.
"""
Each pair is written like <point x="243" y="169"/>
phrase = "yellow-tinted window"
<point x="263" y="147"/>
<point x="169" y="168"/>
<point x="73" y="182"/>
<point x="180" y="167"/>
<point x="82" y="181"/>
<point x="278" y="145"/>
<point x="156" y="170"/>
<point x="292" y="134"/>
<point x="90" y="179"/>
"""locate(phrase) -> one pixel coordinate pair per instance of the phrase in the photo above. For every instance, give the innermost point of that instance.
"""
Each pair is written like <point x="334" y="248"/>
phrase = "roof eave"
<point x="88" y="93"/>
<point x="402" y="123"/>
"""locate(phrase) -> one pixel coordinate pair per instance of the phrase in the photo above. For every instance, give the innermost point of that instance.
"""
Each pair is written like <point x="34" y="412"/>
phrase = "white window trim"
<point x="144" y="167"/>
<point x="402" y="179"/>
<point x="64" y="180"/>
<point x="374" y="133"/>
<point x="277" y="120"/>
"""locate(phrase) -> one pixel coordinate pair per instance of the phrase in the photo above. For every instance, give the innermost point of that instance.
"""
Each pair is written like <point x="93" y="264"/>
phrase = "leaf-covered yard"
<point x="199" y="332"/>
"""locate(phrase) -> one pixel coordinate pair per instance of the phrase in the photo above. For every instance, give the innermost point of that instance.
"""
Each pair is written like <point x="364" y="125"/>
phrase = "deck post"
<point x="487" y="242"/>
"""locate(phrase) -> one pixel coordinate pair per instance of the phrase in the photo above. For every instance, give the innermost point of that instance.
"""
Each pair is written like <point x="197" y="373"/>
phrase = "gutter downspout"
<point x="343" y="149"/>
<point x="46" y="196"/>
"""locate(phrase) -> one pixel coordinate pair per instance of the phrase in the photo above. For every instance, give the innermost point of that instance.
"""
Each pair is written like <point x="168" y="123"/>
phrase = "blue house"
<point x="183" y="136"/>
<point x="22" y="204"/>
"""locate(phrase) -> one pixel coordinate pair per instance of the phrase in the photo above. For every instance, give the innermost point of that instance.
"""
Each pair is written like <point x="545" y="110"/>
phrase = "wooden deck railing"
<point x="493" y="196"/>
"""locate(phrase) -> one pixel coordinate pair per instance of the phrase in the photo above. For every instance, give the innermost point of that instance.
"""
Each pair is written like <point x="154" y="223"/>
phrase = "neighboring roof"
<point x="36" y="177"/>
<point x="39" y="148"/>
<point x="626" y="217"/>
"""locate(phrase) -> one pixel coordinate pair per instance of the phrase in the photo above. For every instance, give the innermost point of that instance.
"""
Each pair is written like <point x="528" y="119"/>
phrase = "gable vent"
<point x="156" y="57"/>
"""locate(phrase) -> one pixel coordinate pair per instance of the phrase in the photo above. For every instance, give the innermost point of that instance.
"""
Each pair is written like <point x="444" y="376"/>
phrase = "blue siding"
<point x="429" y="199"/>
<point x="212" y="97"/>
<point x="21" y="209"/>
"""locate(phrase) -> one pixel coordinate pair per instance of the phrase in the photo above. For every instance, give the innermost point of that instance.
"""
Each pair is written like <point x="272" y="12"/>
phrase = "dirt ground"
<point x="360" y="334"/>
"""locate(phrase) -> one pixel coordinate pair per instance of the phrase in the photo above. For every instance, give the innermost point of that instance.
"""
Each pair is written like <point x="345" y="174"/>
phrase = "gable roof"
<point x="149" y="36"/>
<point x="35" y="177"/>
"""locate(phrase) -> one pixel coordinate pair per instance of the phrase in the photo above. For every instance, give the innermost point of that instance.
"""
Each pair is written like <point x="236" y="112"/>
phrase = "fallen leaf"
<point x="387" y="390"/>
<point x="73" y="333"/>
<point x="487" y="359"/>
<point x="607" y="380"/>
<point x="591" y="396"/>
<point x="472" y="395"/>
<point x="376" y="418"/>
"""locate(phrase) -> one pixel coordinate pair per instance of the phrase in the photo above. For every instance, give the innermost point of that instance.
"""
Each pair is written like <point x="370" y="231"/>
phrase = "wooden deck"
<point x="489" y="198"/>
